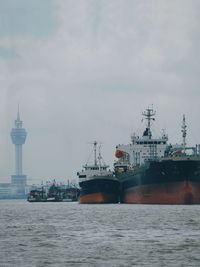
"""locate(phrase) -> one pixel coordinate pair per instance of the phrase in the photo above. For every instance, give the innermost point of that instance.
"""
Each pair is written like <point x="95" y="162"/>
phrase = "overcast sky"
<point x="84" y="70"/>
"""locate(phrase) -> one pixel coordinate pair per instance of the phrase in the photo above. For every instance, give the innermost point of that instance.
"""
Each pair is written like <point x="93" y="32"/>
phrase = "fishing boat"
<point x="37" y="195"/>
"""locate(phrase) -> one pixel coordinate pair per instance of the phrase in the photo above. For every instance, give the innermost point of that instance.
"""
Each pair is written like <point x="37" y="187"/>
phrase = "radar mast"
<point x="149" y="116"/>
<point x="184" y="132"/>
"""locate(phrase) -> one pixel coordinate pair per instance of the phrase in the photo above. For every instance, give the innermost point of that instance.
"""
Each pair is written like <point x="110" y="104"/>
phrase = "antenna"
<point x="99" y="157"/>
<point x="94" y="143"/>
<point x="149" y="115"/>
<point x="184" y="132"/>
<point x="95" y="152"/>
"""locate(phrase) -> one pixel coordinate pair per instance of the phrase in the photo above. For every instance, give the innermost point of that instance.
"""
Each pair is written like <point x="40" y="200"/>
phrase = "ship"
<point x="97" y="182"/>
<point x="54" y="193"/>
<point x="151" y="171"/>
<point x="37" y="195"/>
<point x="71" y="194"/>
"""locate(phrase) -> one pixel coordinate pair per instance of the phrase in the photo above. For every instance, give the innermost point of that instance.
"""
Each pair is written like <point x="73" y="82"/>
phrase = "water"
<point x="70" y="234"/>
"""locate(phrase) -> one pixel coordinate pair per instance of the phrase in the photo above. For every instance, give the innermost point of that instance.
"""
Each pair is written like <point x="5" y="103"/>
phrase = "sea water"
<point x="72" y="234"/>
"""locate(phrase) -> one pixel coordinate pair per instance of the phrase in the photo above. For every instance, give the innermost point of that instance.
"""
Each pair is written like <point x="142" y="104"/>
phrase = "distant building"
<point x="18" y="136"/>
<point x="18" y="187"/>
<point x="8" y="191"/>
<point x="5" y="190"/>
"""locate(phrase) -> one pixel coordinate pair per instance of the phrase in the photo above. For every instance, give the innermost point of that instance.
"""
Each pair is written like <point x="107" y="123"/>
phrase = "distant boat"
<point x="55" y="193"/>
<point x="71" y="194"/>
<point x="37" y="196"/>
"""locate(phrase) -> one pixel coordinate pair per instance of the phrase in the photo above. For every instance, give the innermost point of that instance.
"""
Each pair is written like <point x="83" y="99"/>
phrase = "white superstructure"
<point x="142" y="148"/>
<point x="96" y="170"/>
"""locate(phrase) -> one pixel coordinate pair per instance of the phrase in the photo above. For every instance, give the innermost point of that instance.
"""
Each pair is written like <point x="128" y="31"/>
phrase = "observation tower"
<point x="18" y="136"/>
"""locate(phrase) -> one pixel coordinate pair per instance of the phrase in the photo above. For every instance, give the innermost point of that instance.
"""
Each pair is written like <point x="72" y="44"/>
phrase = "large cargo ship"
<point x="152" y="172"/>
<point x="97" y="182"/>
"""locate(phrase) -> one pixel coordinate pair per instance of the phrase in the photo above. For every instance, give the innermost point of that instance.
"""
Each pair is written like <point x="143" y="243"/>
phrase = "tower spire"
<point x="18" y="115"/>
<point x="18" y="122"/>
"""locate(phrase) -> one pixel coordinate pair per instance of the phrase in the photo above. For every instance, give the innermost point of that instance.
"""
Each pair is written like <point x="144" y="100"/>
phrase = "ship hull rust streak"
<point x="168" y="193"/>
<point x="98" y="198"/>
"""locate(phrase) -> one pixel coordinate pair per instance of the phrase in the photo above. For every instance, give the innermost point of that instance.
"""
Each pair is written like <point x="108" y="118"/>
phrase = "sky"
<point x="85" y="70"/>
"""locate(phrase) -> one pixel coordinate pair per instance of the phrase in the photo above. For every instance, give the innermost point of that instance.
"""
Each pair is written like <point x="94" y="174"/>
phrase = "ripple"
<point x="97" y="235"/>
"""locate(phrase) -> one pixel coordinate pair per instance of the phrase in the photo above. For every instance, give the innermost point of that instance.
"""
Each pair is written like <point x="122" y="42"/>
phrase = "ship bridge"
<point x="145" y="147"/>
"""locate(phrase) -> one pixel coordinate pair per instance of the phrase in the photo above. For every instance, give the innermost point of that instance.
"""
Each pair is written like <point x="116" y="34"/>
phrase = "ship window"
<point x="82" y="176"/>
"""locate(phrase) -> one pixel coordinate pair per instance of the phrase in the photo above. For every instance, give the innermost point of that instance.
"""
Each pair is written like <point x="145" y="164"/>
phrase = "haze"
<point x="85" y="70"/>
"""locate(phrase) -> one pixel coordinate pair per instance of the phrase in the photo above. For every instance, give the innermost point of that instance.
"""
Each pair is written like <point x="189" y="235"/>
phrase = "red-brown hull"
<point x="98" y="198"/>
<point x="166" y="193"/>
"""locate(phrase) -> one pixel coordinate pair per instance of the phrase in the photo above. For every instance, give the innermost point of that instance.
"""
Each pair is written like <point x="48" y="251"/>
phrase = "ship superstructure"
<point x="151" y="171"/>
<point x="96" y="169"/>
<point x="142" y="148"/>
<point x="97" y="182"/>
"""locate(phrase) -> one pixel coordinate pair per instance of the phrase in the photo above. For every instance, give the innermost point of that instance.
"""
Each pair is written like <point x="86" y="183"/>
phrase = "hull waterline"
<point x="99" y="198"/>
<point x="166" y="193"/>
<point x="101" y="190"/>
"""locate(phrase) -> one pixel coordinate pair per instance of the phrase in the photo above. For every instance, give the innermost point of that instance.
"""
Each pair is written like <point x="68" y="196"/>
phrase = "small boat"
<point x="71" y="194"/>
<point x="37" y="196"/>
<point x="54" y="193"/>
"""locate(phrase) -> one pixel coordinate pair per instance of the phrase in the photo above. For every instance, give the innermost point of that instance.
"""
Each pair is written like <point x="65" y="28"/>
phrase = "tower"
<point x="18" y="136"/>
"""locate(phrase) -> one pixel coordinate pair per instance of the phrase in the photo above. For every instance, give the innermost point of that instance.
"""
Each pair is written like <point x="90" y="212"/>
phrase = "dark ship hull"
<point x="36" y="199"/>
<point x="168" y="181"/>
<point x="99" y="190"/>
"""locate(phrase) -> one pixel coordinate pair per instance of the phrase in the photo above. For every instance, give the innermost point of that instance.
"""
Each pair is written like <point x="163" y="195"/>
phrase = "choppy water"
<point x="70" y="234"/>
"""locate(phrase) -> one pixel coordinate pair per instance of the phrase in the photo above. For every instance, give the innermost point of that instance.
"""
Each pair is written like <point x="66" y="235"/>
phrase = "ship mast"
<point x="184" y="132"/>
<point x="149" y="115"/>
<point x="95" y="153"/>
<point x="99" y="158"/>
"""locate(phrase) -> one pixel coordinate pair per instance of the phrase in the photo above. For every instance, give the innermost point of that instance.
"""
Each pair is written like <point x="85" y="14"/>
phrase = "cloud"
<point x="21" y="17"/>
